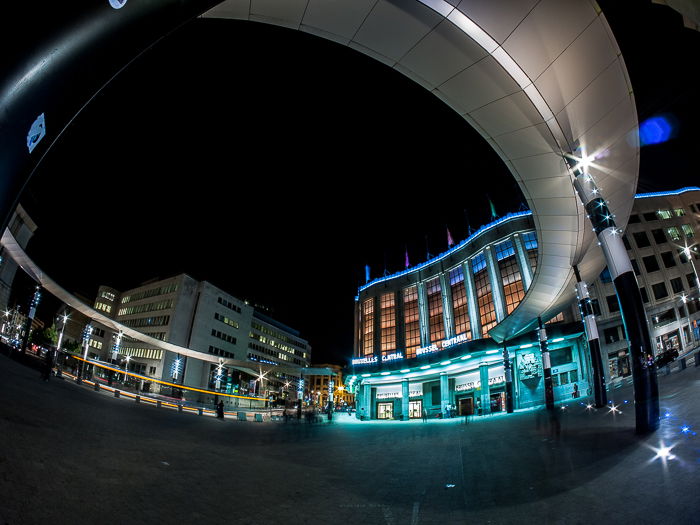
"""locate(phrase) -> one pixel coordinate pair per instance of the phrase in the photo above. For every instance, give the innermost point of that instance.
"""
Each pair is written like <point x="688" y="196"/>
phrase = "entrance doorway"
<point x="466" y="406"/>
<point x="385" y="410"/>
<point x="415" y="409"/>
<point x="498" y="401"/>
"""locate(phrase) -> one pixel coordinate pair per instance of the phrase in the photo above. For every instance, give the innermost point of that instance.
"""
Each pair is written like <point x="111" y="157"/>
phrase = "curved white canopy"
<point x="538" y="79"/>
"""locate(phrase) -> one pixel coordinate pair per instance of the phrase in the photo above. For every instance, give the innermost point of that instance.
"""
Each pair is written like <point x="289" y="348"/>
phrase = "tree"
<point x="71" y="346"/>
<point x="46" y="337"/>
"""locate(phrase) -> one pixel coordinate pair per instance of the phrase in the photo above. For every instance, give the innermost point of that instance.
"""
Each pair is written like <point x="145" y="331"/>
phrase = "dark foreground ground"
<point x="71" y="455"/>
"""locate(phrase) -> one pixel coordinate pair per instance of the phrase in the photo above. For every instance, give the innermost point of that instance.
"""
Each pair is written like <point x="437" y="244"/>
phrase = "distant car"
<point x="666" y="357"/>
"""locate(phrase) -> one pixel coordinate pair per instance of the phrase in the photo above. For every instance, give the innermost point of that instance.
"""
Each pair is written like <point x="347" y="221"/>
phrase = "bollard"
<point x="697" y="358"/>
<point x="683" y="364"/>
<point x="200" y="411"/>
<point x="96" y="386"/>
<point x="158" y="404"/>
<point x="116" y="393"/>
<point x="179" y="408"/>
<point x="137" y="398"/>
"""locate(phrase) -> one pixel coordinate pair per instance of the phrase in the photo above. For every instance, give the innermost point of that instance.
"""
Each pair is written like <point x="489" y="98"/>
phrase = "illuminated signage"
<point x="36" y="132"/>
<point x="392" y="357"/>
<point x="427" y="349"/>
<point x="452" y="341"/>
<point x="364" y="360"/>
<point x="415" y="393"/>
<point x="467" y="386"/>
<point x="388" y="395"/>
<point x="497" y="379"/>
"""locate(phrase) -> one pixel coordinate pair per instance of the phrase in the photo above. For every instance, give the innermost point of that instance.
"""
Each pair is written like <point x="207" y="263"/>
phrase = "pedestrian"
<point x="220" y="410"/>
<point x="285" y="416"/>
<point x="48" y="365"/>
<point x="575" y="393"/>
<point x="425" y="415"/>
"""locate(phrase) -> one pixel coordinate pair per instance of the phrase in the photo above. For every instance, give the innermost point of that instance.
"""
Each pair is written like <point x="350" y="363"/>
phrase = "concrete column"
<point x="546" y="366"/>
<point x="447" y="310"/>
<point x="484" y="378"/>
<point x="474" y="317"/>
<point x="523" y="261"/>
<point x="444" y="393"/>
<point x="509" y="379"/>
<point x="591" y="327"/>
<point x="496" y="284"/>
<point x="404" y="400"/>
<point x="646" y="389"/>
<point x="423" y="315"/>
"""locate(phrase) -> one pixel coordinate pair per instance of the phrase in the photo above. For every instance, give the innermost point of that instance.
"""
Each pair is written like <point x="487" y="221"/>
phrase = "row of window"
<point x="223" y="336"/>
<point x="141" y="322"/>
<point x="658" y="215"/>
<point x="659" y="290"/>
<point x="225" y="320"/>
<point x="162" y="290"/>
<point x="145" y="353"/>
<point x="278" y="335"/>
<point x="108" y="295"/>
<point x="218" y="351"/>
<point x="277" y="344"/>
<point x="229" y="305"/>
<point x="95" y="344"/>
<point x="270" y="352"/>
<point x="455" y="293"/>
<point x="103" y="307"/>
<point x="148" y="307"/>
<point x="641" y="238"/>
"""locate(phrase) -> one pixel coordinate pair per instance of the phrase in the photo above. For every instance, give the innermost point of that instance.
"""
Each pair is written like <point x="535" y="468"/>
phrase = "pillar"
<point x="423" y="315"/>
<point x="404" y="400"/>
<point x="589" y="323"/>
<point x="496" y="284"/>
<point x="444" y="393"/>
<point x="484" y="379"/>
<point x="546" y="366"/>
<point x="447" y="311"/>
<point x="474" y="317"/>
<point x="523" y="261"/>
<point x="508" y="373"/>
<point x="646" y="389"/>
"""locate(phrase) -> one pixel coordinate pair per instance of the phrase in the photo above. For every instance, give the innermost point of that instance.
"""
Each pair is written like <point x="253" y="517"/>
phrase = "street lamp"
<point x="126" y="367"/>
<point x="64" y="318"/>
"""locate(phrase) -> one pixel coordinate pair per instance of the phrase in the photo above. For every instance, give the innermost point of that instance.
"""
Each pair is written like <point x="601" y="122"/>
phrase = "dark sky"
<point x="276" y="165"/>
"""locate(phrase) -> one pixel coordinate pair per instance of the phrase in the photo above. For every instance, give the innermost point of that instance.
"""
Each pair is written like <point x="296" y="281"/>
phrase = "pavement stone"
<point x="72" y="455"/>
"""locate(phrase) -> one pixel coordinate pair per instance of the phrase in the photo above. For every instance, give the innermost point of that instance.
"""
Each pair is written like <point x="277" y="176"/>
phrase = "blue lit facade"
<point x="421" y="335"/>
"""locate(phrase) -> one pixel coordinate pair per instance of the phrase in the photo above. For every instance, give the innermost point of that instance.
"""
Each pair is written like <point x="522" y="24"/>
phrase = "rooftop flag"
<point x="450" y="242"/>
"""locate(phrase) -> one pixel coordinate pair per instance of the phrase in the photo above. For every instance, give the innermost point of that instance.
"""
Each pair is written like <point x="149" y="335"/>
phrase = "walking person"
<point x="47" y="366"/>
<point x="220" y="410"/>
<point x="425" y="415"/>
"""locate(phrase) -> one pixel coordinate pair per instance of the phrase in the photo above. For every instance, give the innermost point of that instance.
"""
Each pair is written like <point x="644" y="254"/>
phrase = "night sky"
<point x="276" y="165"/>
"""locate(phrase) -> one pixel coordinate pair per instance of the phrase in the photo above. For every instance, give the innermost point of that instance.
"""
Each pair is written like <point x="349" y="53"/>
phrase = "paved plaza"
<point x="72" y="455"/>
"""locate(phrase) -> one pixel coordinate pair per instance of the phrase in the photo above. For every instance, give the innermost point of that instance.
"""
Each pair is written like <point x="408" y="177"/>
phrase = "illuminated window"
<point x="387" y="304"/>
<point x="411" y="320"/>
<point x="688" y="230"/>
<point x="679" y="212"/>
<point x="664" y="214"/>
<point x="558" y="319"/>
<point x="530" y="242"/>
<point x="368" y="327"/>
<point x="513" y="291"/>
<point x="460" y="308"/>
<point x="673" y="233"/>
<point x="435" y="314"/>
<point x="484" y="296"/>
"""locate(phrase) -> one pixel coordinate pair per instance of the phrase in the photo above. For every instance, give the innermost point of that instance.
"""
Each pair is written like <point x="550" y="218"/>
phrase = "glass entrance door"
<point x="415" y="409"/>
<point x="385" y="410"/>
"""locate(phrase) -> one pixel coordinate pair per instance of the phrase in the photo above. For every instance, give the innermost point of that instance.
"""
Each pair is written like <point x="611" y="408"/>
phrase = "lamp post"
<point x="64" y="318"/>
<point x="126" y="367"/>
<point x="30" y="317"/>
<point x="86" y="342"/>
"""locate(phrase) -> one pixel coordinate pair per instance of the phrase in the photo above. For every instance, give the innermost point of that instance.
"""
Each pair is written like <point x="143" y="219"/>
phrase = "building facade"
<point x="202" y="317"/>
<point x="421" y="336"/>
<point x="662" y="242"/>
<point x="325" y="380"/>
